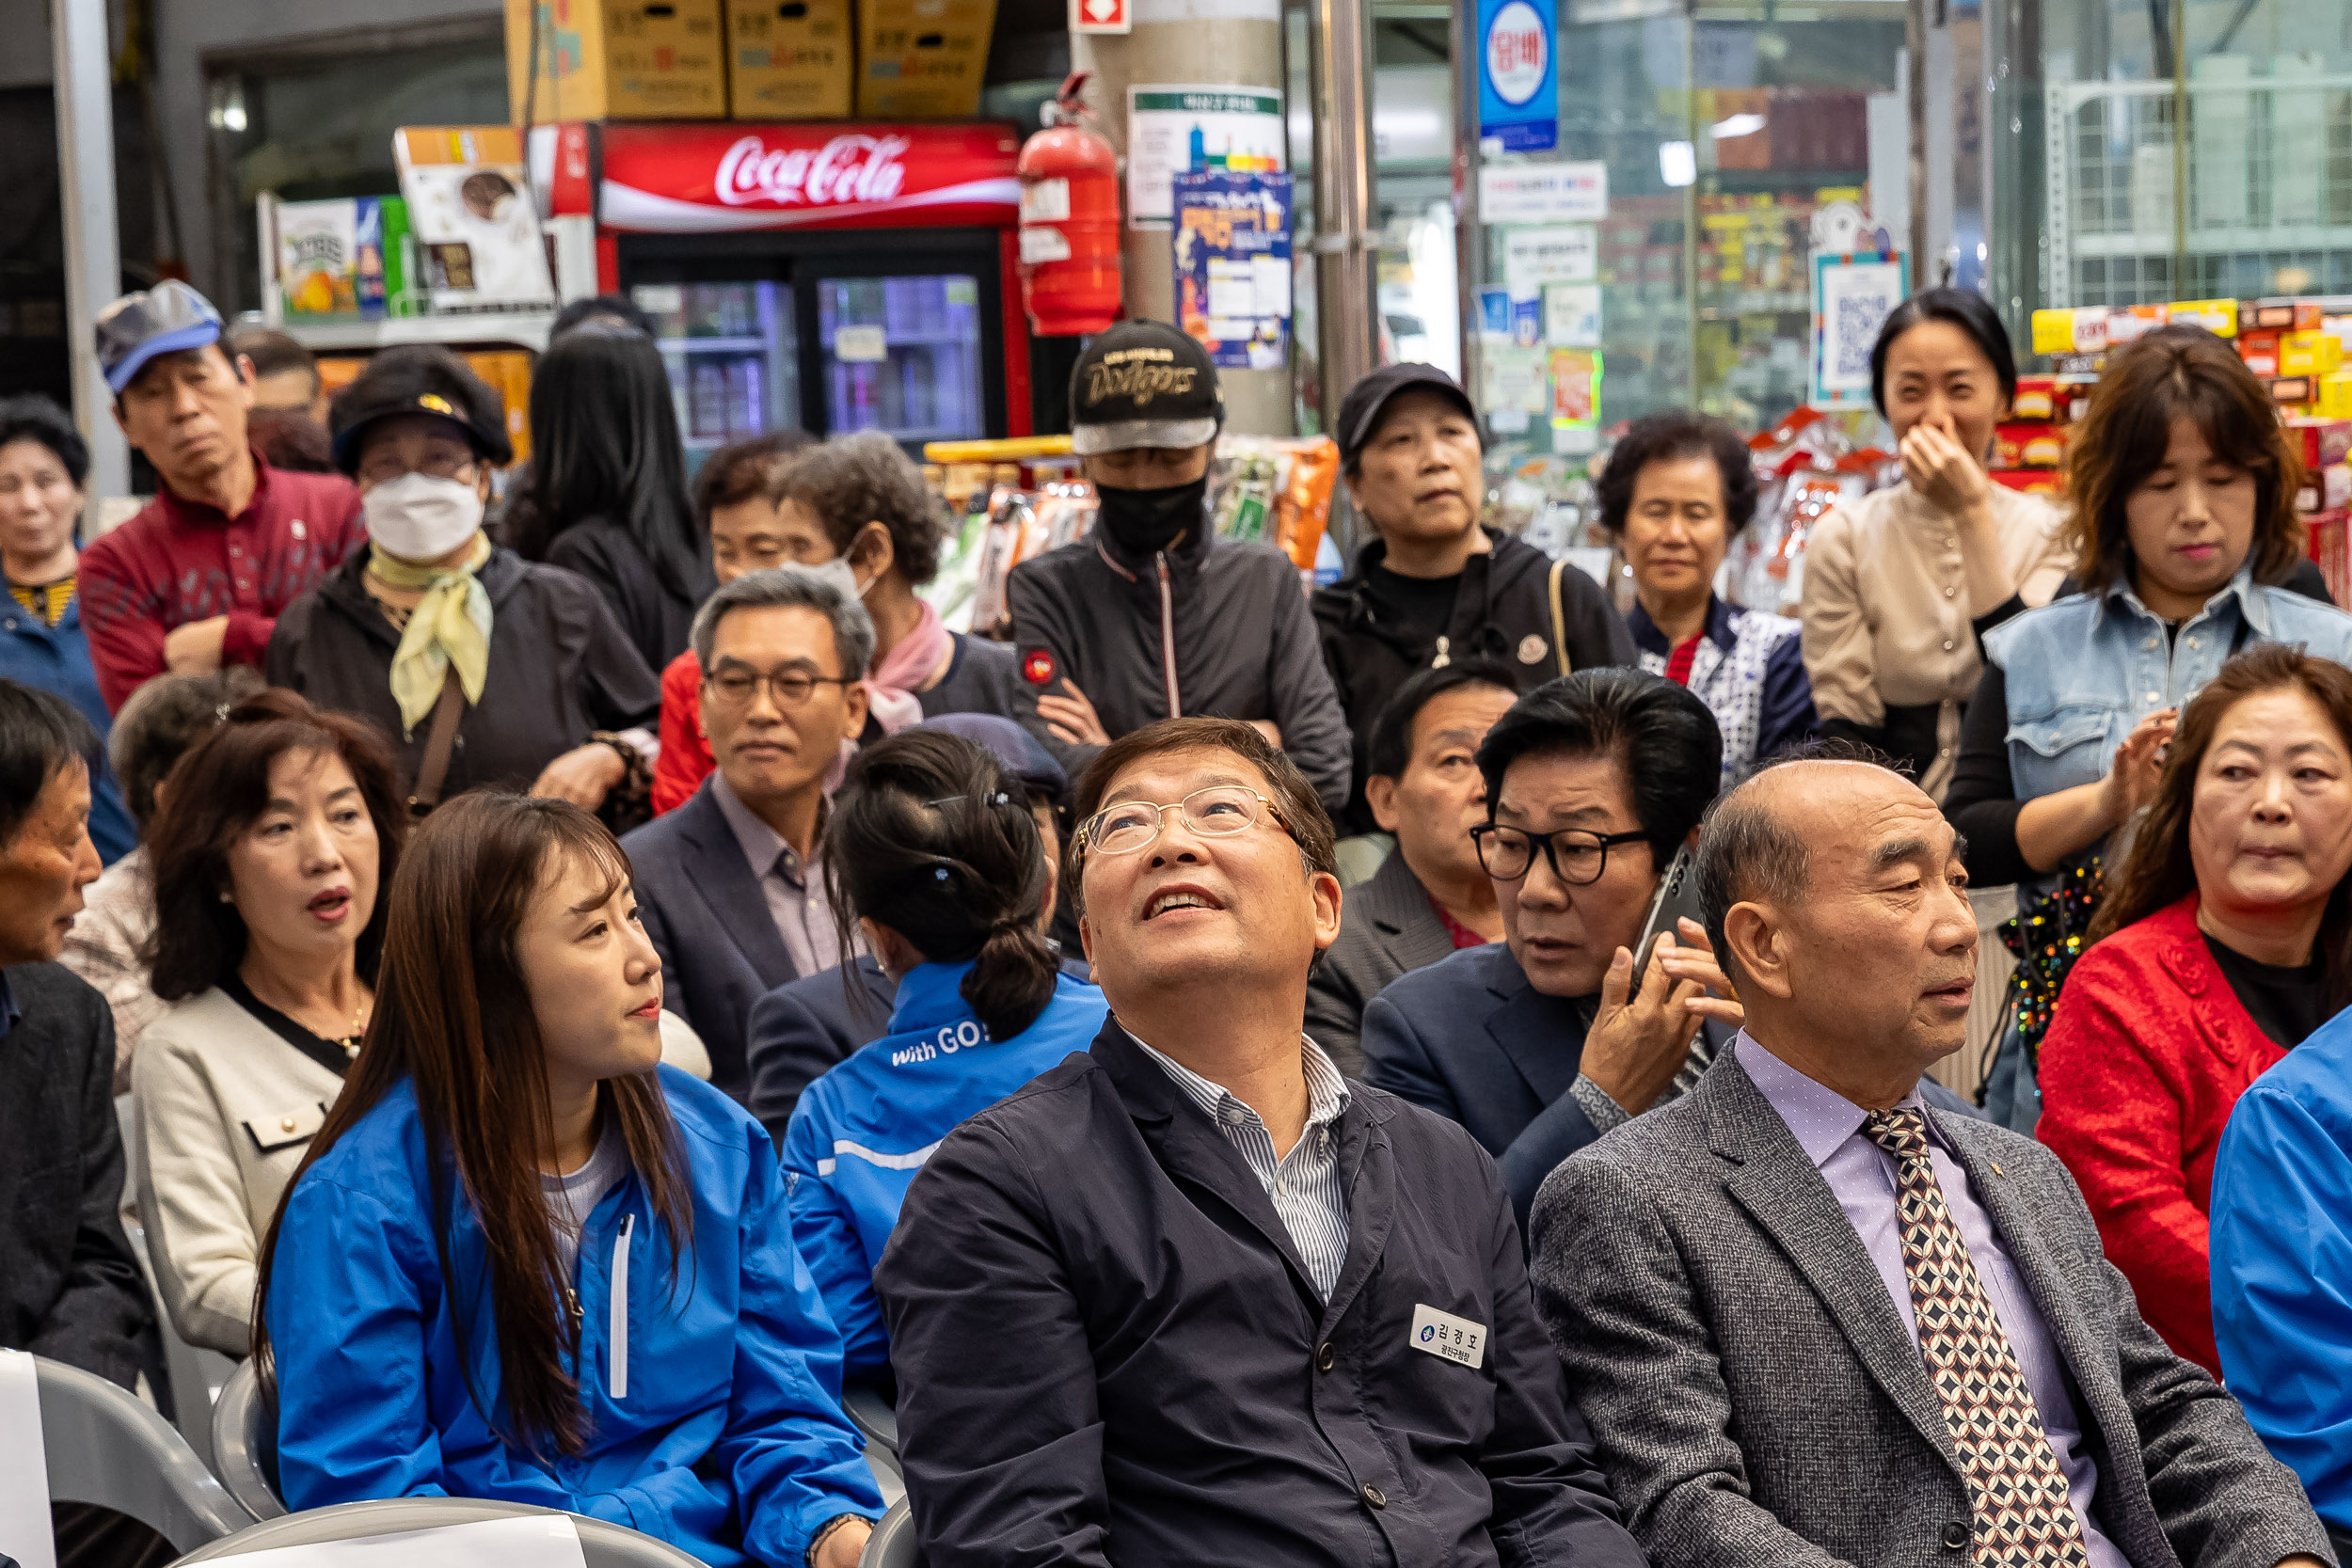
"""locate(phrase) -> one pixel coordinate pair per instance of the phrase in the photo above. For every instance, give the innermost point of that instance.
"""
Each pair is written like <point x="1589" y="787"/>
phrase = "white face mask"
<point x="418" y="519"/>
<point x="838" y="572"/>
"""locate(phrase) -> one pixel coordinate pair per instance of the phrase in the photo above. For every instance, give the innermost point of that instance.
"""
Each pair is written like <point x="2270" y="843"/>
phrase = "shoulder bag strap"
<point x="1559" y="620"/>
<point x="433" y="769"/>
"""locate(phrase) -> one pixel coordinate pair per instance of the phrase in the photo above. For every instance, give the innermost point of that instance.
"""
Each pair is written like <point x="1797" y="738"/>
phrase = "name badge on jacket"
<point x="1456" y="1339"/>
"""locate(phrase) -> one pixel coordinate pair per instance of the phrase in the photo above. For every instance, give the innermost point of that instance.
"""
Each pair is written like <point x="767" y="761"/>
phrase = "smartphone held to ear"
<point x="1677" y="900"/>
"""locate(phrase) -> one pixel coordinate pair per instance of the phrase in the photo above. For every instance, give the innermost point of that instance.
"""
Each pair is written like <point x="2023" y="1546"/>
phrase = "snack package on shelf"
<point x="2329" y="547"/>
<point x="2325" y="489"/>
<point x="1803" y="466"/>
<point x="1275" y="490"/>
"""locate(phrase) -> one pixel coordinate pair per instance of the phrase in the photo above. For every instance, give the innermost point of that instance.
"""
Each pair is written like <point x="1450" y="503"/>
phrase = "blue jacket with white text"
<point x="714" y="1396"/>
<point x="860" y="1132"/>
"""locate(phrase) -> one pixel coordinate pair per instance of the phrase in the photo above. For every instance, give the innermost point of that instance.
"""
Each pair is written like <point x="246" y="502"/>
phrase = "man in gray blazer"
<point x="1430" y="896"/>
<point x="1811" y="1321"/>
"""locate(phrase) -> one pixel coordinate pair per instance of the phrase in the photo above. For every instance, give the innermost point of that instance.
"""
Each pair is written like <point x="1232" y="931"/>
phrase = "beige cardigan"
<point x="226" y="1109"/>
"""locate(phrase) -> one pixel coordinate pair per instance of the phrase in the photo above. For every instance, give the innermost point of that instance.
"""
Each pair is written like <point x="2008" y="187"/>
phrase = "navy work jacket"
<point x="1108" y="1348"/>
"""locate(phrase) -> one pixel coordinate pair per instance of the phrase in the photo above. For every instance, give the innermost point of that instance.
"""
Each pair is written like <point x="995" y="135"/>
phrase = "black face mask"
<point x="1142" y="521"/>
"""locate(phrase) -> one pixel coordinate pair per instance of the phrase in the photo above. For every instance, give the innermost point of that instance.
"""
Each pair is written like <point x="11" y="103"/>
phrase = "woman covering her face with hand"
<point x="522" y="1262"/>
<point x="273" y="852"/>
<point x="2188" y="549"/>
<point x="1899" y="585"/>
<point x="548" y="694"/>
<point x="2226" y="941"/>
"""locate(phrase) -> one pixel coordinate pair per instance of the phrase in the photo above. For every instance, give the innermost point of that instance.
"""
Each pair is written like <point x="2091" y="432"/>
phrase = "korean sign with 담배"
<point x="1232" y="253"/>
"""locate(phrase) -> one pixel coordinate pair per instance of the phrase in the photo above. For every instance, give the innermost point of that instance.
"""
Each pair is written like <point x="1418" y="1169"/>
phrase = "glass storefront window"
<point x="1726" y="132"/>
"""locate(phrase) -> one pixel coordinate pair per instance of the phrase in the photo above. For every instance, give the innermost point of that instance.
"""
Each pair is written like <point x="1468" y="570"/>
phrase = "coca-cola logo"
<point x="848" y="168"/>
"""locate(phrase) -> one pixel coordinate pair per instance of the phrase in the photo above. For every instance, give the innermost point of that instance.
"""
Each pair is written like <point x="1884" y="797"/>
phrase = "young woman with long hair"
<point x="2187" y="547"/>
<point x="608" y="484"/>
<point x="521" y="1261"/>
<point x="935" y="844"/>
<point x="2225" y="940"/>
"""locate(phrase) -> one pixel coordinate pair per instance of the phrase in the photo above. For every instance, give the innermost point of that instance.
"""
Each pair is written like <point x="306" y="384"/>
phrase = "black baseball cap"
<point x="419" y="379"/>
<point x="1360" y="411"/>
<point x="1143" y="383"/>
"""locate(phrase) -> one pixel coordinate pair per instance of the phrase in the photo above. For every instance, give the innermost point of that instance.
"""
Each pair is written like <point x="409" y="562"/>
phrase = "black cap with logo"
<point x="1143" y="383"/>
<point x="1361" y="410"/>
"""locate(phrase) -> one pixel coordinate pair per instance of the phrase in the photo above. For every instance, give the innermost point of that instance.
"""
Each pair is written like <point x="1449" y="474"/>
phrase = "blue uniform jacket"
<point x="716" y="1402"/>
<point x="2282" y="1264"/>
<point x="56" y="659"/>
<point x="864" y="1128"/>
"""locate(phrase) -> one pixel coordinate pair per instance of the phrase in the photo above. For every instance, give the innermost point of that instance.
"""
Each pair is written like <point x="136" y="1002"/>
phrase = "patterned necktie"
<point x="2023" y="1518"/>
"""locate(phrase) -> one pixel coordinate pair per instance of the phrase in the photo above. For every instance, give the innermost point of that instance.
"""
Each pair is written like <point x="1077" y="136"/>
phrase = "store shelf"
<point x="524" y="330"/>
<point x="715" y="345"/>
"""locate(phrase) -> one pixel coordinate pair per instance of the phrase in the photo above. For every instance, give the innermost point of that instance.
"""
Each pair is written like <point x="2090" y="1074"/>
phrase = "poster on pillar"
<point x="1171" y="130"/>
<point x="1232" y="272"/>
<point x="1518" y="76"/>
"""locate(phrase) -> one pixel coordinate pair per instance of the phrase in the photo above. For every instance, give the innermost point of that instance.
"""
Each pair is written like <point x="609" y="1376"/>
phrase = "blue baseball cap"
<point x="168" y="318"/>
<point x="1015" y="749"/>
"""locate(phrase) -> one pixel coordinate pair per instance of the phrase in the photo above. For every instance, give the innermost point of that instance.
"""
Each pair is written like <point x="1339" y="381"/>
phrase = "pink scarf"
<point x="890" y="687"/>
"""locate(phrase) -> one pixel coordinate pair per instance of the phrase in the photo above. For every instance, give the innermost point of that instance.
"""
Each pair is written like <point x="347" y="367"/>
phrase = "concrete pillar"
<point x="1188" y="44"/>
<point x="93" y="260"/>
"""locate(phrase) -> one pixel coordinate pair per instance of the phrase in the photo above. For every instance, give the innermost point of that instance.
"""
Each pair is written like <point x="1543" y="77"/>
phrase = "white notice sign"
<point x="1178" y="130"/>
<point x="1543" y="193"/>
<point x="24" y="1466"/>
<point x="1535" y="257"/>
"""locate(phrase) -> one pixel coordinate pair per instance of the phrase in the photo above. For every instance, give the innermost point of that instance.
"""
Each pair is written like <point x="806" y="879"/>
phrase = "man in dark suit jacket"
<point x="731" y="885"/>
<point x="1542" y="1042"/>
<point x="1814" y="1321"/>
<point x="1195" y="1298"/>
<point x="70" y="1288"/>
<point x="1430" y="896"/>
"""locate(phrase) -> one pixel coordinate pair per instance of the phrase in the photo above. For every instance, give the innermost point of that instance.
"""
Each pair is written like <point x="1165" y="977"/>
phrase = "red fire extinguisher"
<point x="1069" y="221"/>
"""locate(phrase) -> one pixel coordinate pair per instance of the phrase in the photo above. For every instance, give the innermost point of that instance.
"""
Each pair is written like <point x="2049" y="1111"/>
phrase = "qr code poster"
<point x="1851" y="296"/>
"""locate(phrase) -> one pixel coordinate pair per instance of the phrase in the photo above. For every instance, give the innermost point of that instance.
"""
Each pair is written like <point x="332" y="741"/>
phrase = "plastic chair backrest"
<point x="604" y="1545"/>
<point x="873" y="1414"/>
<point x="245" y="1444"/>
<point x="102" y="1446"/>
<point x="893" y="1544"/>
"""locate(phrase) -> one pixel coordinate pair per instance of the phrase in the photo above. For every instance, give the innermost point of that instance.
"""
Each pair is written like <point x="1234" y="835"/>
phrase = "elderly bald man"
<point x="1812" y="1321"/>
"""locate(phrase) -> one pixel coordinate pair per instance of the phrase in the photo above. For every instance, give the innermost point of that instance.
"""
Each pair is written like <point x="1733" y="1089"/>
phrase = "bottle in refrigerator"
<point x="708" y="421"/>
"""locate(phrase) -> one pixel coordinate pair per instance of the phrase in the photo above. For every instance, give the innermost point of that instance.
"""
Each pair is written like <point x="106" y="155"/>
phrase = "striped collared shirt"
<point x="1306" y="1185"/>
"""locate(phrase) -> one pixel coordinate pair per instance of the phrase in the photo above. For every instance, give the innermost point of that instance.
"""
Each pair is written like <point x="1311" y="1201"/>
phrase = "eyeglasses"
<point x="792" y="688"/>
<point x="384" y="470"/>
<point x="1219" y="811"/>
<point x="1576" y="856"/>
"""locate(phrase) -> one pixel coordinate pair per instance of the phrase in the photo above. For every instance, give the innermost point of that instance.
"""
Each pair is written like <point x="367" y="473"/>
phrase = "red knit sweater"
<point x="2147" y="1055"/>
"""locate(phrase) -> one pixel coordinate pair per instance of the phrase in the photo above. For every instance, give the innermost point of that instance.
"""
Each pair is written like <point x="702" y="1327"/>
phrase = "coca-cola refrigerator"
<point x="832" y="277"/>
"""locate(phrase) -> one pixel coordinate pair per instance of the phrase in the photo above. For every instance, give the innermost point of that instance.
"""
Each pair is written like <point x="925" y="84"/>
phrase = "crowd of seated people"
<point x="601" y="972"/>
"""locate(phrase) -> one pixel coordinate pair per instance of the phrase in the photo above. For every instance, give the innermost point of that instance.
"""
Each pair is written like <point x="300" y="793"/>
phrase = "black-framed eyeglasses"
<point x="739" y="688"/>
<point x="1577" y="857"/>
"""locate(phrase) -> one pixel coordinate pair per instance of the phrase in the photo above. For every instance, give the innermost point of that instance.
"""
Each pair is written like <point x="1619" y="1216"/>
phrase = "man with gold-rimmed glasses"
<point x="1194" y="1293"/>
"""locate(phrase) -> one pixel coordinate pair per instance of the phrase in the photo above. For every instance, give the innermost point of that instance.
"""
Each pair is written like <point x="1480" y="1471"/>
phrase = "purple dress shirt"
<point x="1861" y="1176"/>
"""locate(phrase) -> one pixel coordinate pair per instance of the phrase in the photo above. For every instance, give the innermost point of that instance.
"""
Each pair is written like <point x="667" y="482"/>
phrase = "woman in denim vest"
<point x="2187" y="546"/>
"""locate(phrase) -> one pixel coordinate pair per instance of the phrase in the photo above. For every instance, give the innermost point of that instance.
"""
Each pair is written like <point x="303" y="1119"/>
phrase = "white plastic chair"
<point x="104" y="1445"/>
<point x="873" y="1414"/>
<point x="603" y="1546"/>
<point x="893" y="1544"/>
<point x="245" y="1444"/>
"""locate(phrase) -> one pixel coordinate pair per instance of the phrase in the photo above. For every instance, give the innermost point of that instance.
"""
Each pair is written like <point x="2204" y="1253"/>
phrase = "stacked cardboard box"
<point x="2325" y="445"/>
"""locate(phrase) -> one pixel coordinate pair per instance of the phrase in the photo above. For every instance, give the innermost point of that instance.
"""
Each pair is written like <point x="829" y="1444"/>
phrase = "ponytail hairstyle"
<point x="454" y="1018"/>
<point x="931" y="838"/>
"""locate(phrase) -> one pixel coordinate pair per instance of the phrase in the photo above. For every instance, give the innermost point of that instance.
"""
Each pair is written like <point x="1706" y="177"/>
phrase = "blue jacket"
<point x="862" y="1130"/>
<point x="715" y="1398"/>
<point x="2282" y="1249"/>
<point x="56" y="659"/>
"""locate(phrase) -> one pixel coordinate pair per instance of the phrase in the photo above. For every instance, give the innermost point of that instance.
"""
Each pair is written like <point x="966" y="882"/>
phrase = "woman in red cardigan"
<point x="2226" y="941"/>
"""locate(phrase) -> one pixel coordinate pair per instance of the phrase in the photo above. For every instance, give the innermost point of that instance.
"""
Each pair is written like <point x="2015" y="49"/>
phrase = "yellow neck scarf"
<point x="449" y="625"/>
